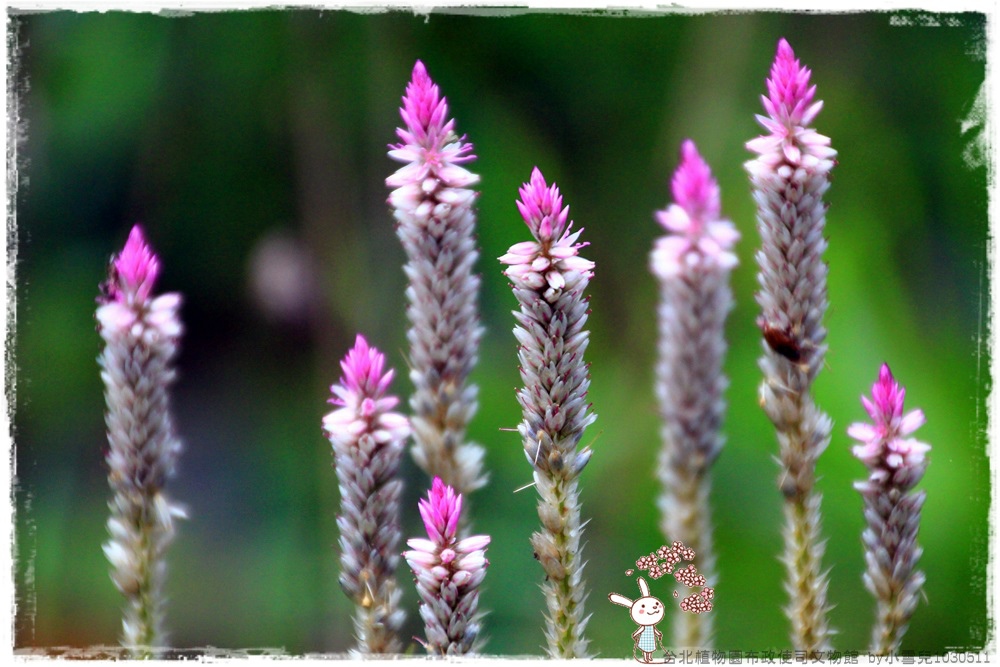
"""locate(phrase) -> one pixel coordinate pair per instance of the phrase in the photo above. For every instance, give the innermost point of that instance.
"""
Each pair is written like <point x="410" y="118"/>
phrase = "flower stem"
<point x="560" y="542"/>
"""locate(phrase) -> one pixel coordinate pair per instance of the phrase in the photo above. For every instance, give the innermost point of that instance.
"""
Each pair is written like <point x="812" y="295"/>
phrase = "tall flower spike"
<point x="549" y="279"/>
<point x="448" y="573"/>
<point x="435" y="221"/>
<point x="140" y="335"/>
<point x="789" y="177"/>
<point x="368" y="441"/>
<point x="895" y="464"/>
<point x="692" y="263"/>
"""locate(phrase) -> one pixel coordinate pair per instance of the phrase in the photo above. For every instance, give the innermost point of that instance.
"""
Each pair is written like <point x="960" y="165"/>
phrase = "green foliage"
<point x="216" y="130"/>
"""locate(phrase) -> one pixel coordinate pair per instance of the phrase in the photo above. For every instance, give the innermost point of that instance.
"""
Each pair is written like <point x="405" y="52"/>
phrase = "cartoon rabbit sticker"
<point x="647" y="611"/>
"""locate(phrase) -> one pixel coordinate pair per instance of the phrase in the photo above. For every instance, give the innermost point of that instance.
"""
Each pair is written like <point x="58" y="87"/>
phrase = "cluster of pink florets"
<point x="699" y="602"/>
<point x="689" y="577"/>
<point x="663" y="560"/>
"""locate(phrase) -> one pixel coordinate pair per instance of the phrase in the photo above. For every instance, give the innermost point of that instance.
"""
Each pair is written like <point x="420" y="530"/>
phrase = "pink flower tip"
<point x="135" y="270"/>
<point x="699" y="235"/>
<point x="363" y="375"/>
<point x="886" y="405"/>
<point x="541" y="207"/>
<point x="789" y="93"/>
<point x="884" y="444"/>
<point x="428" y="138"/>
<point x="422" y="99"/>
<point x="441" y="511"/>
<point x="693" y="187"/>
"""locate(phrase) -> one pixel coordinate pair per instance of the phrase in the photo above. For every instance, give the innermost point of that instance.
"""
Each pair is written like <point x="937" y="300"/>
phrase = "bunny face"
<point x="647" y="610"/>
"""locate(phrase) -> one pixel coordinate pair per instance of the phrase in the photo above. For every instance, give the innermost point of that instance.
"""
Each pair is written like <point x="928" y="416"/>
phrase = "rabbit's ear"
<point x="620" y="600"/>
<point x="643" y="587"/>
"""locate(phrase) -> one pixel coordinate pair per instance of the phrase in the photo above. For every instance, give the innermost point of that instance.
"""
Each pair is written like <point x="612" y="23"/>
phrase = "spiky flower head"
<point x="892" y="509"/>
<point x="435" y="215"/>
<point x="891" y="457"/>
<point x="361" y="393"/>
<point x="448" y="573"/>
<point x="790" y="109"/>
<point x="699" y="236"/>
<point x="430" y="146"/>
<point x="790" y="175"/>
<point x="549" y="279"/>
<point x="550" y="260"/>
<point x="141" y="335"/>
<point x="368" y="441"/>
<point x="551" y="336"/>
<point x="693" y="263"/>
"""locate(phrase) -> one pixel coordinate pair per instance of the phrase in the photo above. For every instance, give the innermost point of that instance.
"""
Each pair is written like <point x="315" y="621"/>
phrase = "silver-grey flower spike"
<point x="368" y="441"/>
<point x="549" y="279"/>
<point x="435" y="221"/>
<point x="692" y="264"/>
<point x="141" y="335"/>
<point x="896" y="464"/>
<point x="790" y="176"/>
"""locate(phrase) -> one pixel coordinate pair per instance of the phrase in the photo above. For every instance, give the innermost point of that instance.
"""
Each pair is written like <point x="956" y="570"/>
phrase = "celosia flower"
<point x="790" y="176"/>
<point x="692" y="264"/>
<point x="141" y="335"/>
<point x="700" y="236"/>
<point x="433" y="207"/>
<point x="549" y="279"/>
<point x="448" y="573"/>
<point x="368" y="441"/>
<point x="892" y="458"/>
<point x="790" y="109"/>
<point x="896" y="464"/>
<point x="545" y="263"/>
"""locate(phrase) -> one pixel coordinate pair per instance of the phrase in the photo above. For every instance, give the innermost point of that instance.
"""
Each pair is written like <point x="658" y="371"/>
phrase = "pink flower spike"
<point x="447" y="574"/>
<point x="892" y="508"/>
<point x="884" y="448"/>
<point x="136" y="270"/>
<point x="788" y="88"/>
<point x="434" y="210"/>
<point x="698" y="236"/>
<point x="540" y="207"/>
<point x="363" y="375"/>
<point x="141" y="333"/>
<point x="429" y="139"/>
<point x="693" y="187"/>
<point x="368" y="442"/>
<point x="440" y="511"/>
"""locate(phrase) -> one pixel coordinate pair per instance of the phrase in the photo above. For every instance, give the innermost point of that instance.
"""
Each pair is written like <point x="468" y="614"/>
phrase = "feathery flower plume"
<point x="448" y="573"/>
<point x="789" y="176"/>
<point x="368" y="441"/>
<point x="692" y="263"/>
<point x="549" y="279"/>
<point x="895" y="464"/>
<point x="435" y="222"/>
<point x="140" y="335"/>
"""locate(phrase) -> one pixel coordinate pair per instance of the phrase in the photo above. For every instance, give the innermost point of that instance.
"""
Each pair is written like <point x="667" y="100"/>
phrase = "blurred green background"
<point x="251" y="145"/>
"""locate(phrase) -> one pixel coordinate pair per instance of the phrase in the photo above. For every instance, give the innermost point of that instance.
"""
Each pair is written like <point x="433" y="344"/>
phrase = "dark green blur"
<point x="226" y="133"/>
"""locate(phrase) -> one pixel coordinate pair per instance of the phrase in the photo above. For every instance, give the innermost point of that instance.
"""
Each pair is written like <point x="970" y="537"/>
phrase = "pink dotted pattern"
<point x="689" y="577"/>
<point x="663" y="561"/>
<point x="699" y="602"/>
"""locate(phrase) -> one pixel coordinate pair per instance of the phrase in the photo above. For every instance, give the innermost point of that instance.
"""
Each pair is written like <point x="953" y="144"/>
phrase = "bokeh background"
<point x="251" y="145"/>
